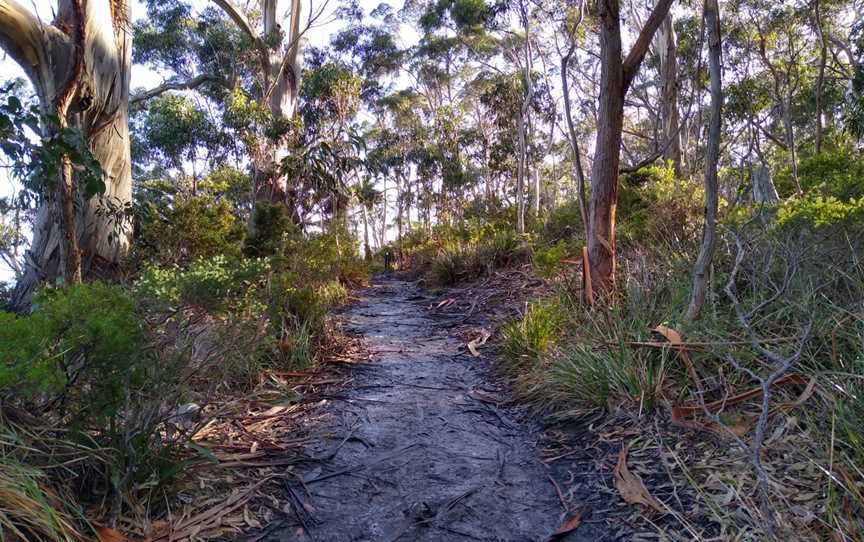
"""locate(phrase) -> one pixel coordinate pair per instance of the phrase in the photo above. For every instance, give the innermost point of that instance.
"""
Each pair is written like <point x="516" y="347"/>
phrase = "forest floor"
<point x="418" y="444"/>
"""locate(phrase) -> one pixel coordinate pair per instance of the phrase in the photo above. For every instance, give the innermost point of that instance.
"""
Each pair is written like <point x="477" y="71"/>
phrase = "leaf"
<point x="479" y="341"/>
<point x="631" y="487"/>
<point x="567" y="527"/>
<point x="107" y="534"/>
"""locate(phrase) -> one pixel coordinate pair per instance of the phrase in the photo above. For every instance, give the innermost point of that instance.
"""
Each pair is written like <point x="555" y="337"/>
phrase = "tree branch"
<point x="23" y="37"/>
<point x="188" y="84"/>
<point x="239" y="18"/>
<point x="640" y="48"/>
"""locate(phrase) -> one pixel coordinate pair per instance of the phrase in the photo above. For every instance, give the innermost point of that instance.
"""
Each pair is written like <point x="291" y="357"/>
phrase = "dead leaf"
<point x="631" y="487"/>
<point x="479" y="341"/>
<point x="675" y="339"/>
<point x="445" y="303"/>
<point x="572" y="523"/>
<point x="107" y="534"/>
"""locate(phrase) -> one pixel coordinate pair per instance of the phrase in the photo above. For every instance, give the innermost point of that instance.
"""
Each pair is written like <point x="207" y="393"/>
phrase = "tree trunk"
<point x="279" y="76"/>
<point x="764" y="192"/>
<point x="667" y="47"/>
<point x="615" y="78"/>
<point x="520" y="177"/>
<point x="98" y="108"/>
<point x="604" y="171"/>
<point x="702" y="266"/>
<point x="367" y="250"/>
<point x="820" y="78"/>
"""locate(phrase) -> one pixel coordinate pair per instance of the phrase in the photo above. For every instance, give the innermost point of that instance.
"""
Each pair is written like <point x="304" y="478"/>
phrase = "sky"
<point x="142" y="77"/>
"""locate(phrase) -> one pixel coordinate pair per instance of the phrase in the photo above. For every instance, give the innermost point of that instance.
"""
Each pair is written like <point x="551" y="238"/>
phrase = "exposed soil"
<point x="416" y="445"/>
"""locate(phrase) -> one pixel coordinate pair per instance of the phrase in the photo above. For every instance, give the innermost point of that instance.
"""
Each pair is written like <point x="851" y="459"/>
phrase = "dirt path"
<point x="418" y="455"/>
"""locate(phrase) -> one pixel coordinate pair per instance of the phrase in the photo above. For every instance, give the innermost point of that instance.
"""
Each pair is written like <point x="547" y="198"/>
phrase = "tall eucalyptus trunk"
<point x="616" y="74"/>
<point x="278" y="51"/>
<point x="80" y="67"/>
<point x="667" y="49"/>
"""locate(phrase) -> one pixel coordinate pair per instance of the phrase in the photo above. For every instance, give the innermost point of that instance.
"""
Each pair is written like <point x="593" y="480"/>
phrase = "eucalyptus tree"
<point x="252" y="65"/>
<point x="79" y="66"/>
<point x="617" y="73"/>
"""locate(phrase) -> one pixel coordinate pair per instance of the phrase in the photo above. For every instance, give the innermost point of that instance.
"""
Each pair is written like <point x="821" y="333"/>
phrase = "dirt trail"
<point x="418" y="455"/>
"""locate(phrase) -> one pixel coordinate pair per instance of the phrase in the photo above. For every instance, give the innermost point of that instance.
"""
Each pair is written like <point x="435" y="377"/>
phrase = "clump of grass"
<point x="448" y="267"/>
<point x="31" y="510"/>
<point x="534" y="335"/>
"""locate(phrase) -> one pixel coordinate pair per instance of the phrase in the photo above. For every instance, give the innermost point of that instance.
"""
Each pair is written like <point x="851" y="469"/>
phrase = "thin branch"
<point x="188" y="84"/>
<point x="640" y="47"/>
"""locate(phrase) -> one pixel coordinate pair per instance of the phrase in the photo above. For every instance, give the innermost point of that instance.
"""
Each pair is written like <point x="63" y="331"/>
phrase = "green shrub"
<point x="84" y="343"/>
<point x="547" y="261"/>
<point x="272" y="225"/>
<point x="85" y="348"/>
<point x="449" y="267"/>
<point x="500" y="249"/>
<point x="213" y="284"/>
<point x="190" y="228"/>
<point x="563" y="224"/>
<point x="332" y="294"/>
<point x="656" y="209"/>
<point x="818" y="211"/>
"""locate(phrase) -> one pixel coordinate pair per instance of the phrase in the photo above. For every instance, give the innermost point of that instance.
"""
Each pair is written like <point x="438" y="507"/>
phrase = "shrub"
<point x="85" y="348"/>
<point x="659" y="210"/>
<point x="563" y="224"/>
<point x="816" y="211"/>
<point x="449" y="267"/>
<point x="498" y="250"/>
<point x="272" y="224"/>
<point x="192" y="227"/>
<point x="547" y="261"/>
<point x="84" y="343"/>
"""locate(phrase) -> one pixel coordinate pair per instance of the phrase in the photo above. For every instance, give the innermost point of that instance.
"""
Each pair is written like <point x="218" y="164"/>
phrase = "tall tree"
<point x="701" y="269"/>
<point x="616" y="75"/>
<point x="79" y="66"/>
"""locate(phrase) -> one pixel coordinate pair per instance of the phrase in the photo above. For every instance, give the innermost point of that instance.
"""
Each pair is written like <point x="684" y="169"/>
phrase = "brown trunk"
<point x="702" y="267"/>
<point x="615" y="78"/>
<point x="604" y="173"/>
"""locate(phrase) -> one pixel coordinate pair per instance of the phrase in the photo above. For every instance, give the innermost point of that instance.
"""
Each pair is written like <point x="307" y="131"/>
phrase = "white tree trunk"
<point x="99" y="109"/>
<point x="667" y="49"/>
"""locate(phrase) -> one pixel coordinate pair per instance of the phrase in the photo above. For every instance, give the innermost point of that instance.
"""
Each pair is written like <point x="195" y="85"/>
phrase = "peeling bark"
<point x="98" y="107"/>
<point x="615" y="78"/>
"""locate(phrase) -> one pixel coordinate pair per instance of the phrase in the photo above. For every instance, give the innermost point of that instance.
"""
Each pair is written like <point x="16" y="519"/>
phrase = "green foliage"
<point x="449" y="267"/>
<point x="534" y="335"/>
<point x="820" y="211"/>
<point x="85" y="343"/>
<point x="213" y="284"/>
<point x="191" y="227"/>
<point x="38" y="165"/>
<point x="174" y="128"/>
<point x="563" y="224"/>
<point x="656" y="209"/>
<point x="272" y="224"/>
<point x="547" y="261"/>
